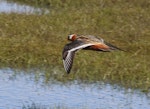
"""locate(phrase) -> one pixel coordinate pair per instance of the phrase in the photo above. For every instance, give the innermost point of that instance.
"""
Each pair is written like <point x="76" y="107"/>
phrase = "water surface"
<point x="9" y="7"/>
<point x="22" y="89"/>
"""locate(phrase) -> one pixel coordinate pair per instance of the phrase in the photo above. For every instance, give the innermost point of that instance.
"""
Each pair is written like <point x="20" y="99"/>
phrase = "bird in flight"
<point x="85" y="42"/>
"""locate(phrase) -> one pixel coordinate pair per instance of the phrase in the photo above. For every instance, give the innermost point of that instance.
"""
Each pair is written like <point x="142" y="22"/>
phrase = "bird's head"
<point x="72" y="37"/>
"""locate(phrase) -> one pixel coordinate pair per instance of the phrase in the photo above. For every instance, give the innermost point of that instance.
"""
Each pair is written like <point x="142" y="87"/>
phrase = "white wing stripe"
<point x="80" y="47"/>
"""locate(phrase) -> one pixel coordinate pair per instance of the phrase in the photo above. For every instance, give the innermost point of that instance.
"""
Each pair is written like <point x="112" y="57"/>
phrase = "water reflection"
<point x="9" y="7"/>
<point x="21" y="89"/>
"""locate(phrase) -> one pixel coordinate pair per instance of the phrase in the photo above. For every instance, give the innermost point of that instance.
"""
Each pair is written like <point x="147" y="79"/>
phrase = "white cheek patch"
<point x="71" y="36"/>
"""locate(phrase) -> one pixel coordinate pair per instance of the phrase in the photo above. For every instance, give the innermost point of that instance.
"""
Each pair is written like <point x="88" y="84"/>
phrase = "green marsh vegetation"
<point x="36" y="41"/>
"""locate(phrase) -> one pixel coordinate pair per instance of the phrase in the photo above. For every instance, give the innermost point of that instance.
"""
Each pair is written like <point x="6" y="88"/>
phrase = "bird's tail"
<point x="112" y="47"/>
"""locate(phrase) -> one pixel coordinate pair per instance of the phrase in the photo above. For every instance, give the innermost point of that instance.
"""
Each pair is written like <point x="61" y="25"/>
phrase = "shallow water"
<point x="9" y="7"/>
<point x="22" y="89"/>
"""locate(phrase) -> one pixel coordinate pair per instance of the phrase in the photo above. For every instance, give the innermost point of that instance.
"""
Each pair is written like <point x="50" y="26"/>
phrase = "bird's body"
<point x="87" y="42"/>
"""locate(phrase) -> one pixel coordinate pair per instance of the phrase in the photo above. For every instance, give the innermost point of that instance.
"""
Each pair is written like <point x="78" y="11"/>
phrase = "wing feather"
<point x="69" y="53"/>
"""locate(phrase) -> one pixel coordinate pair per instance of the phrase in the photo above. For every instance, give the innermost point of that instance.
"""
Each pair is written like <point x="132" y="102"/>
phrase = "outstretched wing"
<point x="69" y="52"/>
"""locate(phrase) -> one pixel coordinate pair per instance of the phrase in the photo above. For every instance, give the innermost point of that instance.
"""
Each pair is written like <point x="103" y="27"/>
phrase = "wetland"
<point x="31" y="46"/>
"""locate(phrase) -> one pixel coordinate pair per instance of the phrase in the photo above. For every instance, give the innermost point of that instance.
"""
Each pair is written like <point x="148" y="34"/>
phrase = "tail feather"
<point x="112" y="47"/>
